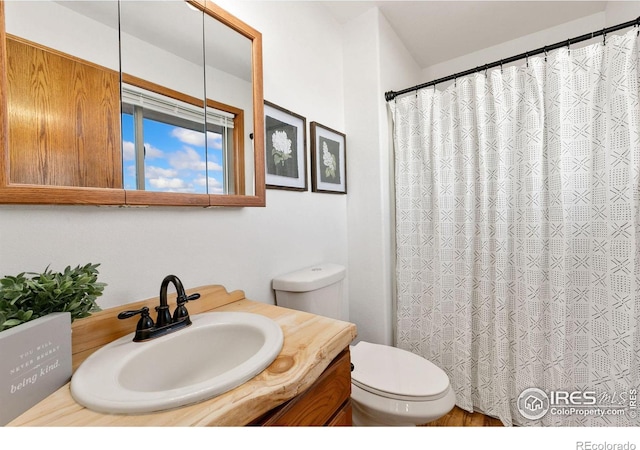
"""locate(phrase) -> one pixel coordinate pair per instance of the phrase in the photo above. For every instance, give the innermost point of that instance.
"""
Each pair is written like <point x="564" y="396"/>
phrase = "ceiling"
<point x="437" y="31"/>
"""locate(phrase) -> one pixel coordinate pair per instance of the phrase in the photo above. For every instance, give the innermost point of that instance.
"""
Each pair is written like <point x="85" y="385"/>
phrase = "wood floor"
<point x="461" y="418"/>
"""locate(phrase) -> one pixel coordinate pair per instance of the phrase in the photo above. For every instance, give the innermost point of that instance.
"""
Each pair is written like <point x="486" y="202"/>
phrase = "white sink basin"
<point x="218" y="352"/>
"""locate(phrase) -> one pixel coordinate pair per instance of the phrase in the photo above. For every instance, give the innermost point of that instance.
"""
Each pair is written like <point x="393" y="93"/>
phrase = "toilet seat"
<point x="396" y="374"/>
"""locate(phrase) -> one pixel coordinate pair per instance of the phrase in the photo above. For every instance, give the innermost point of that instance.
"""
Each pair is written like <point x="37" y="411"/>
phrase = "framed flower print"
<point x="285" y="149"/>
<point x="328" y="160"/>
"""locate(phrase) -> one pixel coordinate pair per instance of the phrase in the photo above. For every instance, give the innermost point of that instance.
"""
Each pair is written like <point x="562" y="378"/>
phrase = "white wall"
<point x="615" y="13"/>
<point x="375" y="61"/>
<point x="515" y="47"/>
<point x="240" y="248"/>
<point x="367" y="287"/>
<point x="65" y="30"/>
<point x="621" y="11"/>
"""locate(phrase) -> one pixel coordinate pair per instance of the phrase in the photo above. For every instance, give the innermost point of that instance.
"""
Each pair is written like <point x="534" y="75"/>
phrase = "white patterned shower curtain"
<point x="518" y="232"/>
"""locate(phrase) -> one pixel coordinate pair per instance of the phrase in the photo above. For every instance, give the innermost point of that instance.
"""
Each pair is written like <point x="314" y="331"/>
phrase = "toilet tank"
<point x="317" y="290"/>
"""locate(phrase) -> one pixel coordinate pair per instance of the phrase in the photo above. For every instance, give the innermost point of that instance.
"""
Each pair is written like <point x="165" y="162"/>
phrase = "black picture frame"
<point x="285" y="149"/>
<point x="328" y="160"/>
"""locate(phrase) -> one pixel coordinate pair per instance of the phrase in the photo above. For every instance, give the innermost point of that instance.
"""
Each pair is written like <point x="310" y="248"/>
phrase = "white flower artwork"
<point x="328" y="152"/>
<point x="285" y="152"/>
<point x="329" y="161"/>
<point x="281" y="150"/>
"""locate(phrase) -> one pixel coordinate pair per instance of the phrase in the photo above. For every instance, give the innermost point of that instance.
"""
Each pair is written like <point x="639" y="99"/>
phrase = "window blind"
<point x="135" y="96"/>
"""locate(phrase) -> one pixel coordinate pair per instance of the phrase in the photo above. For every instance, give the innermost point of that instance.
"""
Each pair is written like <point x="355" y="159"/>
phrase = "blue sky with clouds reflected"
<point x="175" y="158"/>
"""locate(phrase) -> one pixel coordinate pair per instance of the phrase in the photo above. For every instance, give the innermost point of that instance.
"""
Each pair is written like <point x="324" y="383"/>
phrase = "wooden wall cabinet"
<point x="60" y="116"/>
<point x="46" y="88"/>
<point x="326" y="403"/>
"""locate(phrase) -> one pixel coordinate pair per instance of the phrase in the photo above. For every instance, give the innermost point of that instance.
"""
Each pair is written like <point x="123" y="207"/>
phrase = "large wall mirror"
<point x="130" y="103"/>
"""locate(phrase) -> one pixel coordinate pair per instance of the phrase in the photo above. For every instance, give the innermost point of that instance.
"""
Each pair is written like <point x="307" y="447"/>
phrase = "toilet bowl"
<point x="389" y="386"/>
<point x="394" y="387"/>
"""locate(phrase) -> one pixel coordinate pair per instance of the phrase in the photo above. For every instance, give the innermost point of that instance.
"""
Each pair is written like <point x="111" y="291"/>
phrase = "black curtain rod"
<point x="585" y="37"/>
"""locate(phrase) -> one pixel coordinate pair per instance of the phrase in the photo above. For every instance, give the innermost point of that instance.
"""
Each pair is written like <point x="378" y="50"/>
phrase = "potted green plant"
<point x="24" y="298"/>
<point x="36" y="311"/>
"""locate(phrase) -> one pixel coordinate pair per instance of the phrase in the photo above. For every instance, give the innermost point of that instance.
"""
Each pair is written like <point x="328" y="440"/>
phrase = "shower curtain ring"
<point x="604" y="36"/>
<point x="545" y="53"/>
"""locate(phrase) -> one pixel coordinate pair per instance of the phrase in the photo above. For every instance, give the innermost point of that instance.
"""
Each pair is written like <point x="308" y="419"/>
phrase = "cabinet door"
<point x="46" y="89"/>
<point x="343" y="417"/>
<point x="326" y="402"/>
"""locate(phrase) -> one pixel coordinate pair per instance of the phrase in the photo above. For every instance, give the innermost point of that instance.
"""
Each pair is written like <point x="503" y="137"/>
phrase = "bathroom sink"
<point x="218" y="352"/>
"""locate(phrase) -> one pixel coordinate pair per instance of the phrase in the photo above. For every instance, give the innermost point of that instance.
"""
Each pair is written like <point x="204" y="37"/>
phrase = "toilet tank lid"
<point x="309" y="279"/>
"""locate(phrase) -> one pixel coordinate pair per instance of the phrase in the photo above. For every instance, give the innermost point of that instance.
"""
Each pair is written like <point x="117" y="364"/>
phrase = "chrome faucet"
<point x="146" y="329"/>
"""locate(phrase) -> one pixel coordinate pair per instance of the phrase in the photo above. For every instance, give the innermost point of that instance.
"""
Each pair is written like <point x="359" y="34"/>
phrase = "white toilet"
<point x="389" y="386"/>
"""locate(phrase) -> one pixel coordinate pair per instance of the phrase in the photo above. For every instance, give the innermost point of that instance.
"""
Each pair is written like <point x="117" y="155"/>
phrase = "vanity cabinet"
<point x="326" y="402"/>
<point x="309" y="383"/>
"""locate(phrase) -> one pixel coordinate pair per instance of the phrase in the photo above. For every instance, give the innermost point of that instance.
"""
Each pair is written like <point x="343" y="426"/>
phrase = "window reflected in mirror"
<point x="165" y="150"/>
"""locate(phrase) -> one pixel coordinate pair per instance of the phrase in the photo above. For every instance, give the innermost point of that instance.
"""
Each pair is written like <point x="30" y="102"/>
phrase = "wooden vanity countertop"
<point x="311" y="342"/>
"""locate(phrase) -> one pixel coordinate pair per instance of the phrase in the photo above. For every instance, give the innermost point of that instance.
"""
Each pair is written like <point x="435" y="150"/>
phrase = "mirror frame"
<point x="11" y="193"/>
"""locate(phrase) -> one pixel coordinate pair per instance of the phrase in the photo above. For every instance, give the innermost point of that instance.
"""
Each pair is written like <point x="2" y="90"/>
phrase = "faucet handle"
<point x="145" y="321"/>
<point x="181" y="300"/>
<point x="181" y="311"/>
